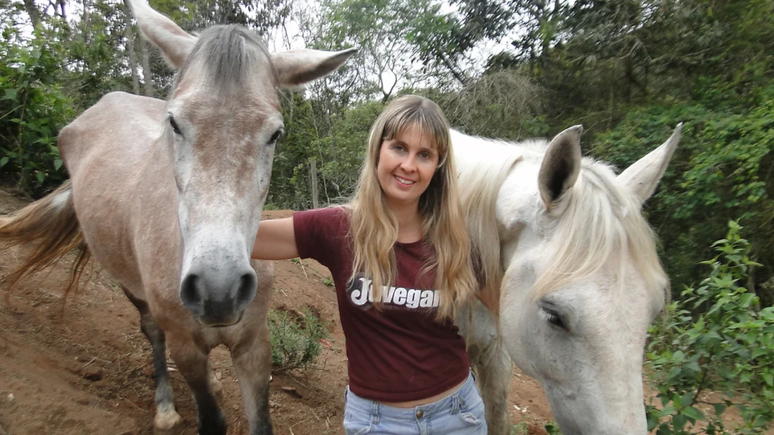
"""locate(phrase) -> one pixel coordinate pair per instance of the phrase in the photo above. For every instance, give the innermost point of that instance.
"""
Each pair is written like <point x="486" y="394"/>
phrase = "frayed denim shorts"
<point x="460" y="413"/>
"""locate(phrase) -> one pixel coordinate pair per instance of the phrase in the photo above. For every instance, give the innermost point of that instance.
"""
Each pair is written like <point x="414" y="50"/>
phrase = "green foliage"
<point x="63" y="67"/>
<point x="521" y="428"/>
<point x="33" y="108"/>
<point x="389" y="33"/>
<point x="295" y="340"/>
<point x="98" y="55"/>
<point x="336" y="142"/>
<point x="721" y="169"/>
<point x="524" y="428"/>
<point x="343" y="152"/>
<point x="552" y="428"/>
<point x="715" y="351"/>
<point x="500" y="104"/>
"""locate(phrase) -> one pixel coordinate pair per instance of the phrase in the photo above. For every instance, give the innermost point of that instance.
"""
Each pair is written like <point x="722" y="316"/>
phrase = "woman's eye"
<point x="425" y="156"/>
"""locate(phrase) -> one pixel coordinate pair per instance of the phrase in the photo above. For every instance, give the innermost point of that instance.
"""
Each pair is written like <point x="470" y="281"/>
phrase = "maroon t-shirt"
<point x="399" y="352"/>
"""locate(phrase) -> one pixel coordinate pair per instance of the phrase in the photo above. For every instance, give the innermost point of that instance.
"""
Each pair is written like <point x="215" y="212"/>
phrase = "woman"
<point x="399" y="255"/>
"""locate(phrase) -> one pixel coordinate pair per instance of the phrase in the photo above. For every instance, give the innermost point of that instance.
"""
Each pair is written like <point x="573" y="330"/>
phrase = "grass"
<point x="295" y="340"/>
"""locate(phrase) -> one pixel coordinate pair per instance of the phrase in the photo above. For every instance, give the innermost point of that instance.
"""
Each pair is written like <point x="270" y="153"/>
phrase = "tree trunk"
<point x="33" y="12"/>
<point x="313" y="175"/>
<point x="62" y="13"/>
<point x="130" y="48"/>
<point x="457" y="74"/>
<point x="146" y="69"/>
<point x="85" y="21"/>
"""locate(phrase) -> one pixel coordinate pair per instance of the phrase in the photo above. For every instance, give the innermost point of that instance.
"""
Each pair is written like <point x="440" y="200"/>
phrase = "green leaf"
<point x="57" y="164"/>
<point x="692" y="413"/>
<point x="746" y="299"/>
<point x="10" y="94"/>
<point x="667" y="411"/>
<point x="3" y="161"/>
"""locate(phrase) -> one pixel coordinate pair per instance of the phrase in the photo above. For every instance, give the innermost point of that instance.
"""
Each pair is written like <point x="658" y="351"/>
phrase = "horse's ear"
<point x="643" y="176"/>
<point x="561" y="165"/>
<point x="175" y="43"/>
<point x="296" y="67"/>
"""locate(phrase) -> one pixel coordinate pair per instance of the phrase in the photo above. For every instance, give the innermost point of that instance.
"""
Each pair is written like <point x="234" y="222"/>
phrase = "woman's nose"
<point x="408" y="164"/>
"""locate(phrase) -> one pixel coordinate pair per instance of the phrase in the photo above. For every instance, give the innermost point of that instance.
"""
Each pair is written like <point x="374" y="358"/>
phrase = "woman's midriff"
<point x="430" y="399"/>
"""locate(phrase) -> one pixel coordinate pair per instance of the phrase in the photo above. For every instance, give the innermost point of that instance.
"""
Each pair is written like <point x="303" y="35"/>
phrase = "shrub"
<point x="33" y="108"/>
<point x="716" y="339"/>
<point x="295" y="340"/>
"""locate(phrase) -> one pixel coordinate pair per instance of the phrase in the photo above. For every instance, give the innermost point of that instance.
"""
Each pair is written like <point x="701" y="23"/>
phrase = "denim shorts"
<point x="460" y="413"/>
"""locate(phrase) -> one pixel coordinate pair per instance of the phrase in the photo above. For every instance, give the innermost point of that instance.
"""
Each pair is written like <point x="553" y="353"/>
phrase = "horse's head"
<point x="582" y="281"/>
<point x="222" y="125"/>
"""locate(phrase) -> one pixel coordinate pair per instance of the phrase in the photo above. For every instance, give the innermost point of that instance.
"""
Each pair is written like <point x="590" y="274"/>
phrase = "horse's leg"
<point x="490" y="362"/>
<point x="494" y="370"/>
<point x="193" y="363"/>
<point x="167" y="420"/>
<point x="252" y="362"/>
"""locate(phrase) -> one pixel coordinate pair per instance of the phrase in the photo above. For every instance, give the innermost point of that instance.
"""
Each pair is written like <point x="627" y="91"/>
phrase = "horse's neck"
<point x="475" y="149"/>
<point x="157" y="165"/>
<point x="483" y="165"/>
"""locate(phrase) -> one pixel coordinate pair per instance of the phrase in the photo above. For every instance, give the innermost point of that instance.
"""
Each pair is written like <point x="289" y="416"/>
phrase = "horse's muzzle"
<point x="218" y="299"/>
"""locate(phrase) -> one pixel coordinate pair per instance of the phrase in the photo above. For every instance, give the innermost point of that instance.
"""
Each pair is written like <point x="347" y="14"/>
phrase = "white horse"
<point x="571" y="275"/>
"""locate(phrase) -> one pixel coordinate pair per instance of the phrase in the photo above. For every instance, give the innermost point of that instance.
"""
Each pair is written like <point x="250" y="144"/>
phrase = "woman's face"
<point x="406" y="166"/>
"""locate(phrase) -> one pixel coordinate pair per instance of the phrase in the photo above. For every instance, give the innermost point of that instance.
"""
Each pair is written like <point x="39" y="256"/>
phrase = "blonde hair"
<point x="374" y="228"/>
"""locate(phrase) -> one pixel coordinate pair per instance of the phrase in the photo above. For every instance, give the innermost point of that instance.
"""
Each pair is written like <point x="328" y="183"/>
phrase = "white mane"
<point x="483" y="166"/>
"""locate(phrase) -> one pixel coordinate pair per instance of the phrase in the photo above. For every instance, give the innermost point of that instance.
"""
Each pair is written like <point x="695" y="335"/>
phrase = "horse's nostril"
<point x="247" y="288"/>
<point x="189" y="290"/>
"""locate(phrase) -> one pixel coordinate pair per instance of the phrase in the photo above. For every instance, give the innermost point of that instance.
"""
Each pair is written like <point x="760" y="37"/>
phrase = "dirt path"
<point x="87" y="369"/>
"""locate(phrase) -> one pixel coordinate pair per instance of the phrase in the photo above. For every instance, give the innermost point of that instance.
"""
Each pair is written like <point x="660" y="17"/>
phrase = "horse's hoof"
<point x="168" y="423"/>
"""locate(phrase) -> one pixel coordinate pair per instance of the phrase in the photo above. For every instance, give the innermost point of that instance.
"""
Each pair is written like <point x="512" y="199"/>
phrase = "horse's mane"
<point x="479" y="182"/>
<point x="602" y="223"/>
<point x="228" y="55"/>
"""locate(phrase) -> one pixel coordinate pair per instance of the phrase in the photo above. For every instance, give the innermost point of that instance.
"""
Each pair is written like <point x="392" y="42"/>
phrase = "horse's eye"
<point x="553" y="318"/>
<point x="277" y="135"/>
<point x="174" y="125"/>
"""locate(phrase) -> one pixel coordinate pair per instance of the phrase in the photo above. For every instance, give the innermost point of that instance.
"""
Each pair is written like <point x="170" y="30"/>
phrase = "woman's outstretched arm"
<point x="276" y="240"/>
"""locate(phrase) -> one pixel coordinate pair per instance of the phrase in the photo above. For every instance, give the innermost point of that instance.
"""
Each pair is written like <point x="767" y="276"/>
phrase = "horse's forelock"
<point x="228" y="57"/>
<point x="601" y="225"/>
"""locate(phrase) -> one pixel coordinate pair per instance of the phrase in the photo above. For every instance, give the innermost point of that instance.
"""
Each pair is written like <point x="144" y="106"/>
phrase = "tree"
<point x="390" y="36"/>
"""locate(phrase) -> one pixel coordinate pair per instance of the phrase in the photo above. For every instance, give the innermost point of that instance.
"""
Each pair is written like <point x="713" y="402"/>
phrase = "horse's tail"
<point x="50" y="221"/>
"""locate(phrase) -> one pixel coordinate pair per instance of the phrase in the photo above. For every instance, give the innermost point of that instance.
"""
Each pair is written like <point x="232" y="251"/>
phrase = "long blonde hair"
<point x="374" y="228"/>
